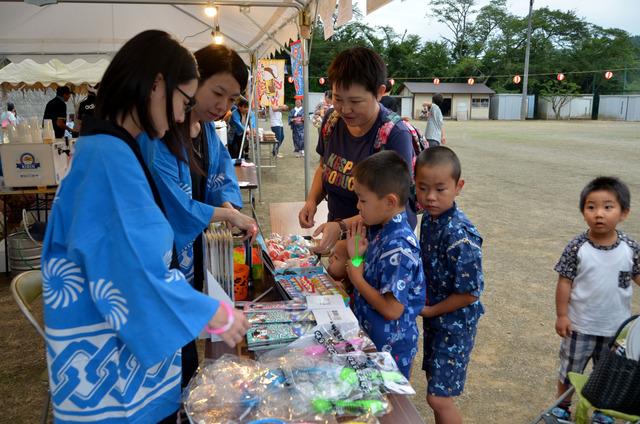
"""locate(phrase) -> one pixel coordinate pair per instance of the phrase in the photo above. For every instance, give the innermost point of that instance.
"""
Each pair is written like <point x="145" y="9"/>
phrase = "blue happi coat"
<point x="115" y="315"/>
<point x="188" y="217"/>
<point x="222" y="183"/>
<point x="392" y="265"/>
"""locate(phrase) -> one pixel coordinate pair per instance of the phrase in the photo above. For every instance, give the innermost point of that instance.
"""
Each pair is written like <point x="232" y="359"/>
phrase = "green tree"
<point x="558" y="93"/>
<point x="457" y="15"/>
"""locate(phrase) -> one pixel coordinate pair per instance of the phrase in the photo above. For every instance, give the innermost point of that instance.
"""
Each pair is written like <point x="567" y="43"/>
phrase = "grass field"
<point x="523" y="180"/>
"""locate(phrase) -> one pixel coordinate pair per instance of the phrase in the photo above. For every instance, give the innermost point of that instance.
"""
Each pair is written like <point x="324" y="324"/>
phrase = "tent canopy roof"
<point x="93" y="29"/>
<point x="31" y="74"/>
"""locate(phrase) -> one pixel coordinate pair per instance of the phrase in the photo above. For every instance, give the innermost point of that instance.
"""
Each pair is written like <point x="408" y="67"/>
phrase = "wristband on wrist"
<point x="227" y="326"/>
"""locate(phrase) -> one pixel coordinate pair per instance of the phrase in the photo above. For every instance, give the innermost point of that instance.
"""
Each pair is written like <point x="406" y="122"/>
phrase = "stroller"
<point x="613" y="387"/>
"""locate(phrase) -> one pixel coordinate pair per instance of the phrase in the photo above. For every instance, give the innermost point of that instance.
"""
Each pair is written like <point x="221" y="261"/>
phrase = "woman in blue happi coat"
<point x="203" y="188"/>
<point x="116" y="314"/>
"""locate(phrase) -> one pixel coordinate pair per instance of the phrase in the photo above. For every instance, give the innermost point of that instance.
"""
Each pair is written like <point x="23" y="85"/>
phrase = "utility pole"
<point x="525" y="79"/>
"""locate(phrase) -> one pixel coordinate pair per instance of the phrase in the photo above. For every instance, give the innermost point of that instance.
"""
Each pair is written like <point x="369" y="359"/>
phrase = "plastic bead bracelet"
<point x="227" y="326"/>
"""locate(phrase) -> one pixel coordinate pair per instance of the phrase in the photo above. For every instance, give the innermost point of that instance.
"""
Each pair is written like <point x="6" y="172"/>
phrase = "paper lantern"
<point x="608" y="75"/>
<point x="471" y="81"/>
<point x="436" y="81"/>
<point x="290" y="79"/>
<point x="321" y="80"/>
<point x="517" y="79"/>
<point x="560" y="76"/>
<point x="392" y="81"/>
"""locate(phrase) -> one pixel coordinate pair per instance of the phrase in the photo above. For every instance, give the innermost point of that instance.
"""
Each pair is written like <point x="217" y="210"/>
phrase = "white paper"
<point x="328" y="30"/>
<point x="339" y="315"/>
<point x="214" y="289"/>
<point x="373" y="5"/>
<point x="324" y="302"/>
<point x="345" y="12"/>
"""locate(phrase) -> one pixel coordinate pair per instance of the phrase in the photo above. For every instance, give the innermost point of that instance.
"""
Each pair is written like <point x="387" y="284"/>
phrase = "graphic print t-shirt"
<point x="342" y="151"/>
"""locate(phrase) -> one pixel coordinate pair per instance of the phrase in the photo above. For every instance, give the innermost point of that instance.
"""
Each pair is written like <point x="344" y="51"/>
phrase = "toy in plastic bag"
<point x="227" y="388"/>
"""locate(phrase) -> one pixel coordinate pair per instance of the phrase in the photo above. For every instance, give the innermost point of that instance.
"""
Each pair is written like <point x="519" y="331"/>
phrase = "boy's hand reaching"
<point x="358" y="231"/>
<point x="563" y="326"/>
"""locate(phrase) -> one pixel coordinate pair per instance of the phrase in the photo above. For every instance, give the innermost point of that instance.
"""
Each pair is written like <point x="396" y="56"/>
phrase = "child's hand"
<point x="563" y="326"/>
<point x="355" y="273"/>
<point x="360" y="231"/>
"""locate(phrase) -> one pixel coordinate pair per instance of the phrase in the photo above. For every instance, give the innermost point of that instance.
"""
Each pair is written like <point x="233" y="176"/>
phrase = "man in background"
<point x="56" y="110"/>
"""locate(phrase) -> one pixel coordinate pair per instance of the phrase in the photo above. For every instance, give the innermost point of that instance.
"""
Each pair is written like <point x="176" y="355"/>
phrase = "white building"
<point x="461" y="101"/>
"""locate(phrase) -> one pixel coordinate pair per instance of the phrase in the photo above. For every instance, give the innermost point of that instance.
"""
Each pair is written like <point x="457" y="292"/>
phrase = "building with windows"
<point x="461" y="100"/>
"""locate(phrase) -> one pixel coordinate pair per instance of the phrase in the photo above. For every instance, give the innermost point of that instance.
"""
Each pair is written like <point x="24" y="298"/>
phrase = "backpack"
<point x="419" y="143"/>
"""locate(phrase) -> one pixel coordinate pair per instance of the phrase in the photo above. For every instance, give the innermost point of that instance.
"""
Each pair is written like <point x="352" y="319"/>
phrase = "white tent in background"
<point x="90" y="29"/>
<point x="96" y="29"/>
<point x="40" y="75"/>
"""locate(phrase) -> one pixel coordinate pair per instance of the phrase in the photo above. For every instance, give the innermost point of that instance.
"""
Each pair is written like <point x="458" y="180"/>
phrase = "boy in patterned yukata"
<point x="389" y="286"/>
<point x="593" y="296"/>
<point x="452" y="260"/>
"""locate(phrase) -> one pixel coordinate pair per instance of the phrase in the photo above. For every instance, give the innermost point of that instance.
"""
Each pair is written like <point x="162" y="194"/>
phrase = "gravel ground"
<point x="522" y="186"/>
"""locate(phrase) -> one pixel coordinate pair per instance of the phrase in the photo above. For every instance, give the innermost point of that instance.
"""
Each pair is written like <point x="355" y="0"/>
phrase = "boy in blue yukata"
<point x="593" y="296"/>
<point x="389" y="286"/>
<point x="452" y="260"/>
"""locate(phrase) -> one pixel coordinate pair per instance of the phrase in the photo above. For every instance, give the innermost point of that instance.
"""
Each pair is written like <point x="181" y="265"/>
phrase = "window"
<point x="482" y="102"/>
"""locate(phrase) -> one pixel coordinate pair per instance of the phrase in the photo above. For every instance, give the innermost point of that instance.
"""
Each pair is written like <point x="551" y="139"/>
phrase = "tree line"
<point x="488" y="43"/>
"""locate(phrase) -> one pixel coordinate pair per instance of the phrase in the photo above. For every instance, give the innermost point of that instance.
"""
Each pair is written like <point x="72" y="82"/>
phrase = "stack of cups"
<point x="24" y="132"/>
<point x="47" y="132"/>
<point x="36" y="131"/>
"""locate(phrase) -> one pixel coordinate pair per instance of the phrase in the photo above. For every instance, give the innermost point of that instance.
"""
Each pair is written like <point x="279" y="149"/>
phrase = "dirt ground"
<point x="522" y="186"/>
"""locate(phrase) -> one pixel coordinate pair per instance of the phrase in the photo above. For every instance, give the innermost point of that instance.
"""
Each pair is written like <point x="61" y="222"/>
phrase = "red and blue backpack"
<point x="390" y="120"/>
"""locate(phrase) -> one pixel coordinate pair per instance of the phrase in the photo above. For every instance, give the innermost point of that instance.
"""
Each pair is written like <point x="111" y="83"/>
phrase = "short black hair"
<point x="358" y="65"/>
<point x="217" y="59"/>
<point x="437" y="99"/>
<point x="611" y="184"/>
<point x="127" y="83"/>
<point x="328" y="94"/>
<point x="388" y="86"/>
<point x="384" y="173"/>
<point x="11" y="107"/>
<point x="440" y="155"/>
<point x="62" y="90"/>
<point x="242" y="102"/>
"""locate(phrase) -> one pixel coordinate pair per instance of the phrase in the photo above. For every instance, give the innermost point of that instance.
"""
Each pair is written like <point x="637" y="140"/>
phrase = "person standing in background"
<point x="434" y="133"/>
<point x="56" y="110"/>
<point x="275" y="120"/>
<point x="86" y="108"/>
<point x="296" y="122"/>
<point x="321" y="109"/>
<point x="388" y="101"/>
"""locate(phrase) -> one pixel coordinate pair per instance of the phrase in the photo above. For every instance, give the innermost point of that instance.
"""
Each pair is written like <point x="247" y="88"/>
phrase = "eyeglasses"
<point x="191" y="101"/>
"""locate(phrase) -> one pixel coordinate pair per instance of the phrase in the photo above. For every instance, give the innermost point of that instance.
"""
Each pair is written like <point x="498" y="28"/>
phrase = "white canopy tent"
<point x="42" y="30"/>
<point x="79" y="72"/>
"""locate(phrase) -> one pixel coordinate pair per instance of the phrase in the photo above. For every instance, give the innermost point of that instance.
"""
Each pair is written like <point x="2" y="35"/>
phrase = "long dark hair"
<point x="128" y="81"/>
<point x="216" y="59"/>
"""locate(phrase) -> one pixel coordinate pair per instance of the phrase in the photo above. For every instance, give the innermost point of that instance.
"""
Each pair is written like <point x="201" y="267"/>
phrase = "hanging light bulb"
<point x="471" y="81"/>
<point x="608" y="75"/>
<point x="210" y="10"/>
<point x="392" y="81"/>
<point x="218" y="38"/>
<point x="517" y="79"/>
<point x="436" y="81"/>
<point x="560" y="76"/>
<point x="290" y="79"/>
<point x="321" y="80"/>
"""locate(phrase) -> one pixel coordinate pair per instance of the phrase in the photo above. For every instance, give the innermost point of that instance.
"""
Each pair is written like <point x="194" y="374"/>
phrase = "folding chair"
<point x="26" y="289"/>
<point x="583" y="405"/>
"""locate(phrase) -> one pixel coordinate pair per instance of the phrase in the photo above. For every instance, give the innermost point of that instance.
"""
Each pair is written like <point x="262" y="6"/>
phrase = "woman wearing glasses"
<point x="201" y="188"/>
<point x="116" y="314"/>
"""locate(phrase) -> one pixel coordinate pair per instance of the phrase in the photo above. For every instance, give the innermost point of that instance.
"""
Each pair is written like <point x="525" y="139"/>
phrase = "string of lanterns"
<point x="516" y="79"/>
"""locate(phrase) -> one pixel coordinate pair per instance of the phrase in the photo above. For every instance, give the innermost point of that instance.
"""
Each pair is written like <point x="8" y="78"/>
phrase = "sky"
<point x="412" y="14"/>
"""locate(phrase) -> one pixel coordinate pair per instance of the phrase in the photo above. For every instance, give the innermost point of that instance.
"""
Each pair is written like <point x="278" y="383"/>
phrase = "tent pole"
<point x="255" y="141"/>
<point x="305" y="108"/>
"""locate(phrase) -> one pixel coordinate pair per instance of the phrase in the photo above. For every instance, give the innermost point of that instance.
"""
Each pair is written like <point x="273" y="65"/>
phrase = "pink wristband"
<point x="227" y="326"/>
